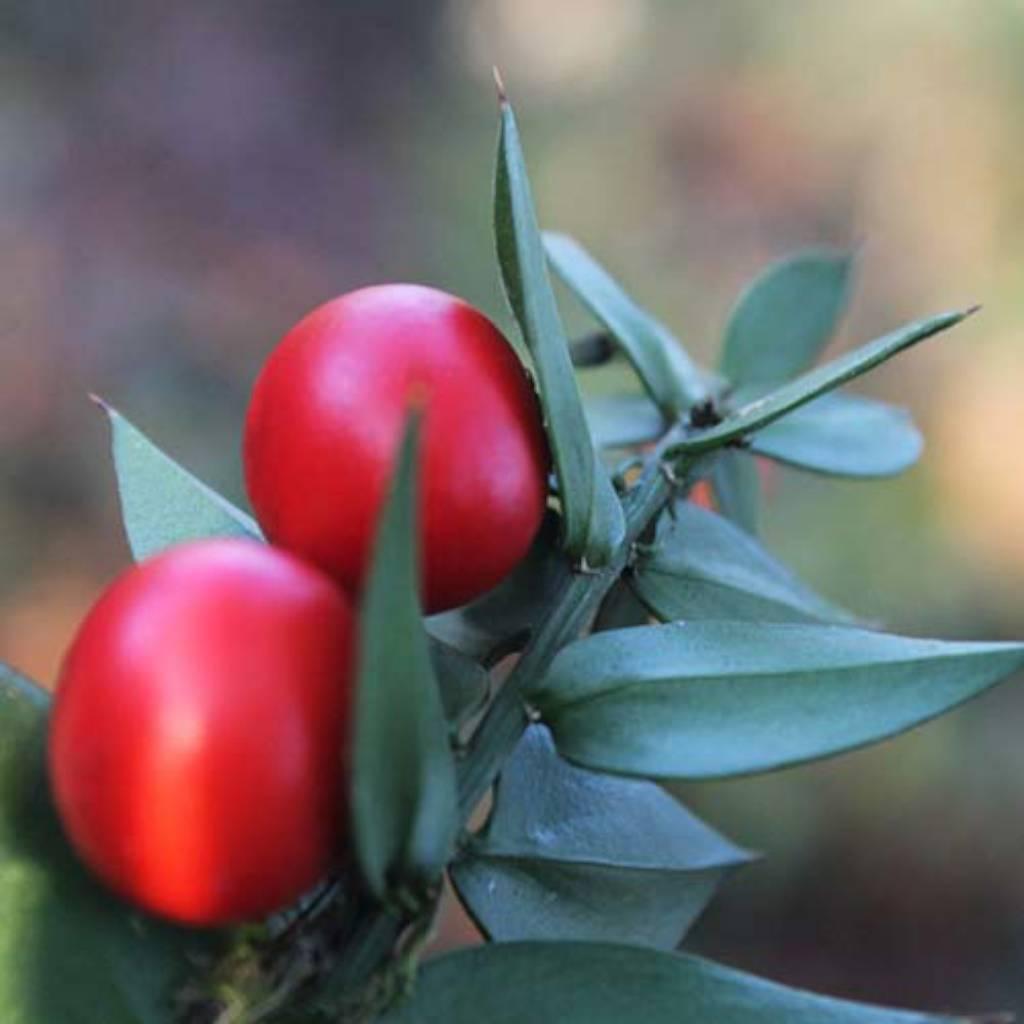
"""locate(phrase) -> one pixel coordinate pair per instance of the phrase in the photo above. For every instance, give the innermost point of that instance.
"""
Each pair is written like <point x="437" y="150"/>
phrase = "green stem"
<point x="507" y="717"/>
<point x="362" y="967"/>
<point x="503" y="725"/>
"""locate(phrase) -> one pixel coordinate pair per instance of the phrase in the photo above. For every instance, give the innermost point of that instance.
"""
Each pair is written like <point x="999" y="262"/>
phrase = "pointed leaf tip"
<point x="762" y="411"/>
<point x="162" y="503"/>
<point x="572" y="854"/>
<point x="592" y="514"/>
<point x="403" y="798"/>
<point x="499" y="84"/>
<point x="710" y="699"/>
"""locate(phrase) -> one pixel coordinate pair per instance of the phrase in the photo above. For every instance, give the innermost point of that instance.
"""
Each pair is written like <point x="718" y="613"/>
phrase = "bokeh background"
<point x="180" y="182"/>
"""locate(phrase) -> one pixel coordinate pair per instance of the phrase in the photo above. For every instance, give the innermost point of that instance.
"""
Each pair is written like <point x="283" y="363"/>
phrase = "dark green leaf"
<point x="463" y="682"/>
<point x="69" y="951"/>
<point x="785" y="318"/>
<point x="510" y="610"/>
<point x="758" y="414"/>
<point x="403" y="788"/>
<point x="623" y="421"/>
<point x="571" y="854"/>
<point x="161" y="502"/>
<point x="595" y="983"/>
<point x="710" y="699"/>
<point x="592" y="514"/>
<point x="664" y="368"/>
<point x="736" y="484"/>
<point x="701" y="566"/>
<point x="845" y="435"/>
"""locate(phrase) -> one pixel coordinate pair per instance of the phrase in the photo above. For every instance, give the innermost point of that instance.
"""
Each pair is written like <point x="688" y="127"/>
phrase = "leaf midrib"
<point x="482" y="852"/>
<point x="617" y="689"/>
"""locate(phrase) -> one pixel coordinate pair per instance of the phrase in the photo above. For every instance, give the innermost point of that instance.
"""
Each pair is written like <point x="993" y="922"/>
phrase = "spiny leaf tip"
<point x="499" y="84"/>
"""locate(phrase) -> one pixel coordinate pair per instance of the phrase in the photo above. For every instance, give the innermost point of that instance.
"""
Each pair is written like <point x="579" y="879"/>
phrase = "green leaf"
<point x="571" y="854"/>
<point x="844" y="435"/>
<point x="70" y="952"/>
<point x="592" y="514"/>
<point x="785" y="318"/>
<point x="505" y="615"/>
<point x="758" y="414"/>
<point x="665" y="370"/>
<point x="464" y="683"/>
<point x="403" y="788"/>
<point x="607" y="519"/>
<point x="596" y="983"/>
<point x="623" y="421"/>
<point x="161" y="502"/>
<point x="701" y="566"/>
<point x="736" y="484"/>
<point x="712" y="699"/>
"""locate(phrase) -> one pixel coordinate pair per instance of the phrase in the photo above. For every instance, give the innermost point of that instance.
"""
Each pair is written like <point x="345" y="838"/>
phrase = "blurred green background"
<point x="180" y="182"/>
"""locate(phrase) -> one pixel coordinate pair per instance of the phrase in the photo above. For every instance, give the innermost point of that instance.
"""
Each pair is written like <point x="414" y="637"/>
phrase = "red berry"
<point x="197" y="738"/>
<point x="324" y="425"/>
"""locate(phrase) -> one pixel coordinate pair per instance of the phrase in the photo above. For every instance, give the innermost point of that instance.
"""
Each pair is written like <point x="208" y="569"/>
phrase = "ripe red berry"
<point x="324" y="424"/>
<point x="196" y="744"/>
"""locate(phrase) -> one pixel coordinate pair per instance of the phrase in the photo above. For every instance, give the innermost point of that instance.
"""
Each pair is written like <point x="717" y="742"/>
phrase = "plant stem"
<point x="359" y="979"/>
<point x="567" y="616"/>
<point x="503" y="725"/>
<point x="508" y="715"/>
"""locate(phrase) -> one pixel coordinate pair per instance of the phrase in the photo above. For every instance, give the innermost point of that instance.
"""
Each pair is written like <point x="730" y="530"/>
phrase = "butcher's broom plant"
<point x="516" y="745"/>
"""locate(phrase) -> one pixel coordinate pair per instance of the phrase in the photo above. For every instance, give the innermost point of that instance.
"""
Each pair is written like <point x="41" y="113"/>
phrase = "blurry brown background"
<point x="180" y="182"/>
